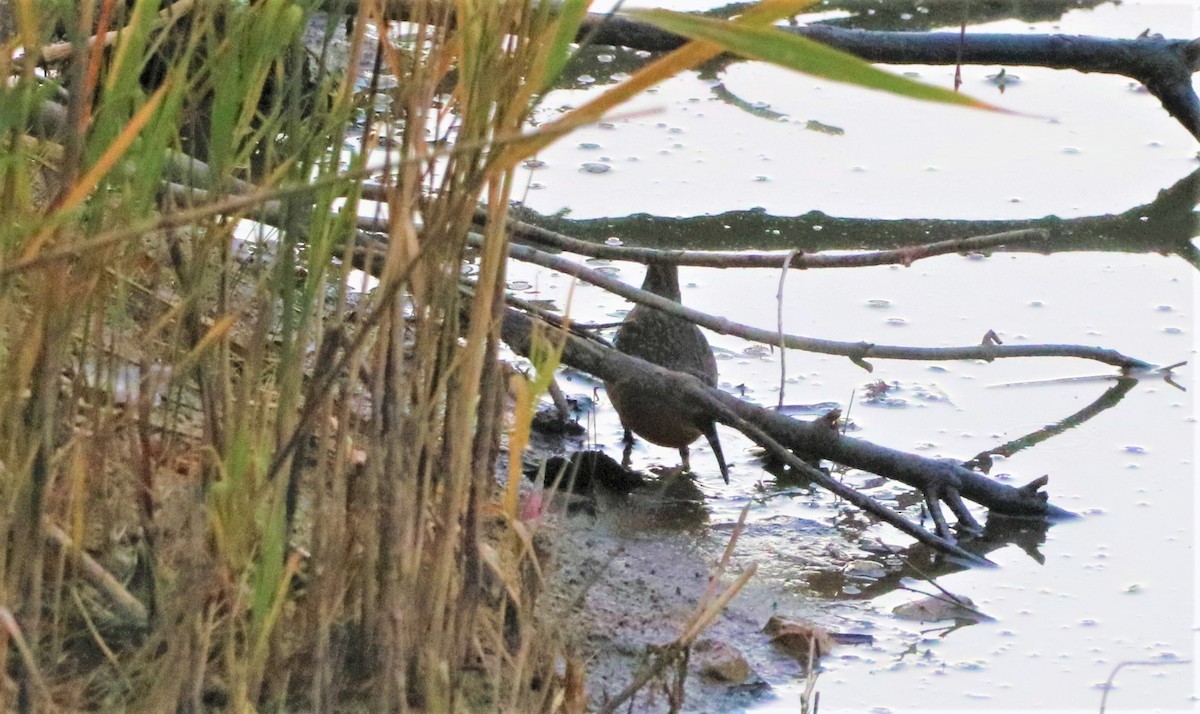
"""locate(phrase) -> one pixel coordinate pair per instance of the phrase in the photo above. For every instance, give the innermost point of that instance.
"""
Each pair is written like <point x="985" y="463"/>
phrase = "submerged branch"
<point x="1111" y="398"/>
<point x="527" y="232"/>
<point x="1166" y="225"/>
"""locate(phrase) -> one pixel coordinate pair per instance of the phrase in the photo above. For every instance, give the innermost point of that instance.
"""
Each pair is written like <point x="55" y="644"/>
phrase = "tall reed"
<point x="289" y="478"/>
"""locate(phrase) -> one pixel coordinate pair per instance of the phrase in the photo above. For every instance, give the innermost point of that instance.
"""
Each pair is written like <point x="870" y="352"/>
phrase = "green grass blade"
<point x="771" y="44"/>
<point x="570" y="15"/>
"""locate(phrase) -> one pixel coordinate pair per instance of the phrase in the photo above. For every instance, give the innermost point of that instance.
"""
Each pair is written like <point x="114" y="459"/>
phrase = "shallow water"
<point x="1118" y="584"/>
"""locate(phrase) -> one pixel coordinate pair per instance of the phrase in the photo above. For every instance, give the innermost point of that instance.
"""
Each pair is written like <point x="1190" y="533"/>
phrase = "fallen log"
<point x="939" y="481"/>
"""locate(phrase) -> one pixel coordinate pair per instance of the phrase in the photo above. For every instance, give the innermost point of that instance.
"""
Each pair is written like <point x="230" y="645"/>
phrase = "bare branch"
<point x="857" y="351"/>
<point x="810" y="438"/>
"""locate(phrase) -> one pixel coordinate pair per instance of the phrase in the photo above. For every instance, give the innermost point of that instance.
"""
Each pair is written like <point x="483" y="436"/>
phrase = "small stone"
<point x="720" y="662"/>
<point x="864" y="570"/>
<point x="938" y="609"/>
<point x="798" y="638"/>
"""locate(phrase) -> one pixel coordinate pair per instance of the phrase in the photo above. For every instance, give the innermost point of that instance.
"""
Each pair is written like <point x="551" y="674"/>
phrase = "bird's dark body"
<point x="675" y="344"/>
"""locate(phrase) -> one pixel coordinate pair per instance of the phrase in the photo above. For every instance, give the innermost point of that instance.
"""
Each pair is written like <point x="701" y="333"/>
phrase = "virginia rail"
<point x="675" y="344"/>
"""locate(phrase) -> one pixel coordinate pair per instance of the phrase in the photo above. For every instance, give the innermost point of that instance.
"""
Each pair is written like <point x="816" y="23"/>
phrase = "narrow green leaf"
<point x="771" y="44"/>
<point x="570" y="15"/>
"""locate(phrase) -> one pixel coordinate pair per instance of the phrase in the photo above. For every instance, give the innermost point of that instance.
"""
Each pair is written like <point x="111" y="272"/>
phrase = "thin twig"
<point x="856" y="351"/>
<point x="129" y="606"/>
<point x="62" y="50"/>
<point x="1108" y="683"/>
<point x="787" y="261"/>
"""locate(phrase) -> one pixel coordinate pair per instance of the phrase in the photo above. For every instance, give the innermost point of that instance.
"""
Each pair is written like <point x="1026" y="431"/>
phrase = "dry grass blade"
<point x="28" y="659"/>
<point x="126" y="603"/>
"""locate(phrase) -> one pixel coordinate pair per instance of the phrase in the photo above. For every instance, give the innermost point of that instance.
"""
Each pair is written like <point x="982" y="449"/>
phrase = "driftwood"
<point x="939" y="480"/>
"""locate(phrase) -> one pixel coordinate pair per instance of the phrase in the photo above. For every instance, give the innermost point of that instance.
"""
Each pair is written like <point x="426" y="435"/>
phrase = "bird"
<point x="675" y="344"/>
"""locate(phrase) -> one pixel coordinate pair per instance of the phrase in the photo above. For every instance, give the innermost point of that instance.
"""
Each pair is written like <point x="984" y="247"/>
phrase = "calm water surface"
<point x="1118" y="584"/>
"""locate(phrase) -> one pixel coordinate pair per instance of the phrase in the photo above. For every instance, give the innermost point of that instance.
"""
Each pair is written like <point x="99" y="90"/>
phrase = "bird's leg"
<point x="628" y="438"/>
<point x="627" y="454"/>
<point x="683" y="455"/>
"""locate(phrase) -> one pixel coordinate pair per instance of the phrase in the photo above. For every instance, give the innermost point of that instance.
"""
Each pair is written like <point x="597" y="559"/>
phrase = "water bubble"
<point x="897" y="322"/>
<point x="1036" y="303"/>
<point x="879" y="304"/>
<point x="534" y="164"/>
<point x="595" y="168"/>
<point x="588" y="146"/>
<point x="519" y="285"/>
<point x="585" y="79"/>
<point x="1173" y="330"/>
<point x="1165" y="308"/>
<point x="761" y="179"/>
<point x="1071" y="151"/>
<point x="675" y="130"/>
<point x="1134" y="449"/>
<point x="605" y="58"/>
<point x="613" y="240"/>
